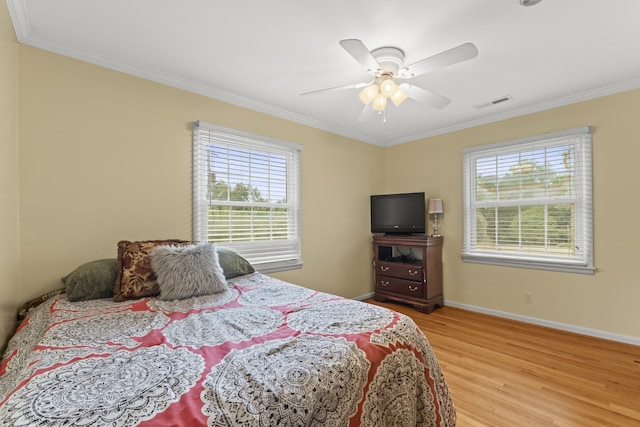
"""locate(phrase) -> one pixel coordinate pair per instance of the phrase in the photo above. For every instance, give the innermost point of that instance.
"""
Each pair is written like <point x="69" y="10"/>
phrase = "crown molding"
<point x="25" y="35"/>
<point x="190" y="86"/>
<point x="535" y="108"/>
<point x="200" y="89"/>
<point x="19" y="18"/>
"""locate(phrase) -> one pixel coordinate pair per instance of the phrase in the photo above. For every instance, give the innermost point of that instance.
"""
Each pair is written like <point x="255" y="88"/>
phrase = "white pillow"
<point x="187" y="271"/>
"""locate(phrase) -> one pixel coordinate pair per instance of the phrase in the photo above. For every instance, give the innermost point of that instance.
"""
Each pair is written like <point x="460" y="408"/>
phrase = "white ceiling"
<point x="263" y="54"/>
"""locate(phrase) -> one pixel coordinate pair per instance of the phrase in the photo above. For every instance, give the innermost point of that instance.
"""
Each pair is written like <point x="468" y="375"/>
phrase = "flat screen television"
<point x="398" y="213"/>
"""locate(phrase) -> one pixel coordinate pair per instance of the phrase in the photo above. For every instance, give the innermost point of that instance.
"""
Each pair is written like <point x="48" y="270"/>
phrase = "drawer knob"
<point x="413" y="288"/>
<point x="384" y="268"/>
<point x="413" y="272"/>
<point x="384" y="283"/>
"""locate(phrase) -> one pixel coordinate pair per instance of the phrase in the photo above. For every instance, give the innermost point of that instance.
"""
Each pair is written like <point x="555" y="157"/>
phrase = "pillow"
<point x="136" y="278"/>
<point x="92" y="280"/>
<point x="188" y="271"/>
<point x="233" y="264"/>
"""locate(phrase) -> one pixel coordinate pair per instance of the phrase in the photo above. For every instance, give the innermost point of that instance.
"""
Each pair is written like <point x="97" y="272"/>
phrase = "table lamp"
<point x="435" y="209"/>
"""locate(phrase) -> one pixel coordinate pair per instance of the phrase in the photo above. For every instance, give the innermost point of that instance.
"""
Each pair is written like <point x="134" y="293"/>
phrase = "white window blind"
<point x="528" y="203"/>
<point x="246" y="195"/>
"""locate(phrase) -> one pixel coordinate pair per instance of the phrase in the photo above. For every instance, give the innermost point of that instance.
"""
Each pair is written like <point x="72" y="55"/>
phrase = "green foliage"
<point x="244" y="223"/>
<point x="248" y="223"/>
<point x="219" y="190"/>
<point x="526" y="225"/>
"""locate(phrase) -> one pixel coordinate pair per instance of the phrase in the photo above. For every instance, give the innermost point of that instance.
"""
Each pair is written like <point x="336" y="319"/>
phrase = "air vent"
<point x="495" y="101"/>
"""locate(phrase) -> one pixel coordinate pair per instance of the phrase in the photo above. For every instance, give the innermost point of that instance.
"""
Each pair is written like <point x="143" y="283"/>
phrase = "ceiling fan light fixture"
<point x="368" y="94"/>
<point x="398" y="96"/>
<point x="379" y="102"/>
<point x="386" y="64"/>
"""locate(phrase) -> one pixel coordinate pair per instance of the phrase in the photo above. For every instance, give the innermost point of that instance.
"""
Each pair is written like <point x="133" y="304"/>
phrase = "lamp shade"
<point x="435" y="206"/>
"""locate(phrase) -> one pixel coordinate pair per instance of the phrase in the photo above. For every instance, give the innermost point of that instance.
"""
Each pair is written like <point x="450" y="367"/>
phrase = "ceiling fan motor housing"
<point x="390" y="59"/>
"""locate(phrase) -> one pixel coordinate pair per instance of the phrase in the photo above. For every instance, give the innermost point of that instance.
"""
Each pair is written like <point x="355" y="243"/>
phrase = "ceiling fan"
<point x="386" y="66"/>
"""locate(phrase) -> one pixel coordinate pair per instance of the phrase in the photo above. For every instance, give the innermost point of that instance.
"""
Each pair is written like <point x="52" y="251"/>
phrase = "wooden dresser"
<point x="408" y="269"/>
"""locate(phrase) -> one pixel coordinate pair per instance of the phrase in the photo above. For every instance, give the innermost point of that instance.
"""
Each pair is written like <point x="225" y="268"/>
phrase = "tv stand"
<point x="408" y="269"/>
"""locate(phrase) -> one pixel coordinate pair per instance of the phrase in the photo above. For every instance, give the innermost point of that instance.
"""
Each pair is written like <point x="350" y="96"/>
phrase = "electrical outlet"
<point x="527" y="297"/>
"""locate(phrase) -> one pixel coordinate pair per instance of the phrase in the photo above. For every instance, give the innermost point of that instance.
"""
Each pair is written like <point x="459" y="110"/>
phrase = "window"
<point x="528" y="203"/>
<point x="246" y="195"/>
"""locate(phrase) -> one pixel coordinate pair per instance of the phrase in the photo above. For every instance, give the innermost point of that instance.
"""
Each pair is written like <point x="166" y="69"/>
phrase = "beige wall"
<point x="106" y="156"/>
<point x="606" y="301"/>
<point x="10" y="291"/>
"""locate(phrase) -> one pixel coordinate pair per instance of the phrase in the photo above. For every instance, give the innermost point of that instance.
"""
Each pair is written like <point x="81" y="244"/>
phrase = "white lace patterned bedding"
<point x="263" y="353"/>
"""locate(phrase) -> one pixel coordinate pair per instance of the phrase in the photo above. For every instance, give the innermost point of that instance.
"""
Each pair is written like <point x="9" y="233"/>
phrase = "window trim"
<point x="584" y="235"/>
<point x="200" y="203"/>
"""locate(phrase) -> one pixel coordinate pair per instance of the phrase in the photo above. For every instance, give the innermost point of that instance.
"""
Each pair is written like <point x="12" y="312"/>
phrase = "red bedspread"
<point x="263" y="353"/>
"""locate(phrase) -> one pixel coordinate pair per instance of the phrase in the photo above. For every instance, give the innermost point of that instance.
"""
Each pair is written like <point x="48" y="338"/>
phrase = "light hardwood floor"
<point x="506" y="373"/>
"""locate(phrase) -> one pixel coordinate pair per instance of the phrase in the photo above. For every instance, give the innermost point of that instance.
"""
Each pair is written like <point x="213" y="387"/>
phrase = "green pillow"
<point x="92" y="280"/>
<point x="233" y="264"/>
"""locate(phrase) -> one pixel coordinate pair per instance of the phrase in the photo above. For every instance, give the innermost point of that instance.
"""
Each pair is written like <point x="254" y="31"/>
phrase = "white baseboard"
<point x="548" y="323"/>
<point x="365" y="296"/>
<point x="536" y="321"/>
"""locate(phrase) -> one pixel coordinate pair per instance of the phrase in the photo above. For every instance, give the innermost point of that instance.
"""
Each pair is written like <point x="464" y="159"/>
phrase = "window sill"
<point x="529" y="264"/>
<point x="274" y="267"/>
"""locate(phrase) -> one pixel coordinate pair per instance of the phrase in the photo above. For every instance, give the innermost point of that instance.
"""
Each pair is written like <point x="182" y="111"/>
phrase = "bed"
<point x="260" y="352"/>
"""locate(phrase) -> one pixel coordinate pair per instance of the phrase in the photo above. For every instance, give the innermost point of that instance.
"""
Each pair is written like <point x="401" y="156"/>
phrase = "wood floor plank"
<point x="503" y="372"/>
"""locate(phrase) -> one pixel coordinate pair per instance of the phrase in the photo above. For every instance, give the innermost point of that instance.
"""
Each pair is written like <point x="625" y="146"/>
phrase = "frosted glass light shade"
<point x="379" y="102"/>
<point x="368" y="93"/>
<point x="398" y="96"/>
<point x="388" y="87"/>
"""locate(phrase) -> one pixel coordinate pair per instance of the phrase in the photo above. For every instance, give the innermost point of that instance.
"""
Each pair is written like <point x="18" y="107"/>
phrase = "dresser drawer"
<point x="400" y="270"/>
<point x="400" y="286"/>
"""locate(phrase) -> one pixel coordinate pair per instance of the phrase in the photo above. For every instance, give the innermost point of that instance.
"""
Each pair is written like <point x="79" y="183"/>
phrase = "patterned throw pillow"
<point x="188" y="271"/>
<point x="136" y="278"/>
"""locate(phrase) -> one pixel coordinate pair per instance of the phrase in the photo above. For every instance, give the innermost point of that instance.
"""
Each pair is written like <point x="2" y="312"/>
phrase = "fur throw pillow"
<point x="187" y="271"/>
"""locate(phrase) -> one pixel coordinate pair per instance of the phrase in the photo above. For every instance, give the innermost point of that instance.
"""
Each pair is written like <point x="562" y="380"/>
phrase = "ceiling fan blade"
<point x="452" y="56"/>
<point x="351" y="86"/>
<point x="366" y="113"/>
<point x="425" y="96"/>
<point x="360" y="53"/>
